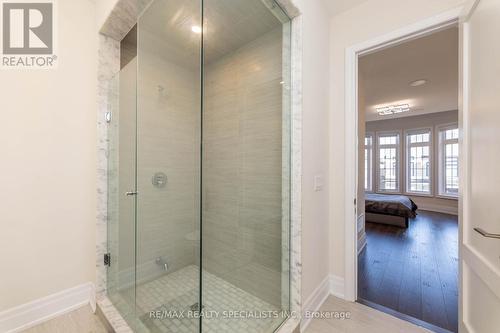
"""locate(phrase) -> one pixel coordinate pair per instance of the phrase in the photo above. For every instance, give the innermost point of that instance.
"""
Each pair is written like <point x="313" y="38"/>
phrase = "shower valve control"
<point x="159" y="180"/>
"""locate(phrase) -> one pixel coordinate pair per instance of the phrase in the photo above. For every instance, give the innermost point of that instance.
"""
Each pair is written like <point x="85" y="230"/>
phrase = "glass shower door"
<point x="168" y="165"/>
<point x="121" y="280"/>
<point x="199" y="153"/>
<point x="246" y="166"/>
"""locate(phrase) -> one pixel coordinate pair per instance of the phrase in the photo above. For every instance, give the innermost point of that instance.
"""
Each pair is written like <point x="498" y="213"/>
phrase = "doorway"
<point x="408" y="180"/>
<point x="406" y="131"/>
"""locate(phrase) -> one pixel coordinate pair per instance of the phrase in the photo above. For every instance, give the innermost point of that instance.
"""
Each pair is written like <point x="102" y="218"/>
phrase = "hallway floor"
<point x="363" y="320"/>
<point x="413" y="271"/>
<point x="82" y="320"/>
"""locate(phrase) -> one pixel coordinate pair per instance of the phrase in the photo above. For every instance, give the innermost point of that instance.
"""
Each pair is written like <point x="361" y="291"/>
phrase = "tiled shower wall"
<point x="168" y="142"/>
<point x="242" y="167"/>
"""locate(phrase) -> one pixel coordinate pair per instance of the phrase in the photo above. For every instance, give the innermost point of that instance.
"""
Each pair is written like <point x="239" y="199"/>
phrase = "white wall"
<point x="103" y="9"/>
<point x="364" y="22"/>
<point x="48" y="170"/>
<point x="315" y="67"/>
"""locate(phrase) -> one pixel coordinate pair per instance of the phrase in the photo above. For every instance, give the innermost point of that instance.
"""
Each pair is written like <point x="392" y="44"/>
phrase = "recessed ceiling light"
<point x="417" y="83"/>
<point x="196" y="29"/>
<point x="393" y="109"/>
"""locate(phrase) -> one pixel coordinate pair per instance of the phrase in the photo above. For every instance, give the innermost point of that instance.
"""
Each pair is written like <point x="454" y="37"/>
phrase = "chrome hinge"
<point x="108" y="116"/>
<point x="107" y="259"/>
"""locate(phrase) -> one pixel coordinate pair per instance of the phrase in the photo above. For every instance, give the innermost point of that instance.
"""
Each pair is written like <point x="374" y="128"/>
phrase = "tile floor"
<point x="178" y="291"/>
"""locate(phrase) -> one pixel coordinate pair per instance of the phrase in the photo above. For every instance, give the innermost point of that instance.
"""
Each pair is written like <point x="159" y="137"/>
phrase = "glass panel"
<point x="451" y="134"/>
<point x="419" y="169"/>
<point x="451" y="168"/>
<point x="168" y="165"/>
<point x="121" y="179"/>
<point x="419" y="138"/>
<point x="388" y="140"/>
<point x="388" y="169"/>
<point x="449" y="158"/>
<point x="368" y="162"/>
<point x="246" y="165"/>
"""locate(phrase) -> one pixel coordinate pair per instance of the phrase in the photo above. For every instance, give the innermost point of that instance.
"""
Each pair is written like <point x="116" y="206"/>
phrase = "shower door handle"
<point x="130" y="193"/>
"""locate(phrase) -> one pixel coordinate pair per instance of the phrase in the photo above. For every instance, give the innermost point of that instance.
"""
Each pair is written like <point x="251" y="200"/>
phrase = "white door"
<point x="480" y="254"/>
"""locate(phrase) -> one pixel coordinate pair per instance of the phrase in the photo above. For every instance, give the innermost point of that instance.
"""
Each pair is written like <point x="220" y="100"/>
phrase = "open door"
<point x="480" y="243"/>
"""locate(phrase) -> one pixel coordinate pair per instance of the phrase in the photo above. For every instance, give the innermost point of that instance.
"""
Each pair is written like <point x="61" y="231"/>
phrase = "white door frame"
<point x="419" y="29"/>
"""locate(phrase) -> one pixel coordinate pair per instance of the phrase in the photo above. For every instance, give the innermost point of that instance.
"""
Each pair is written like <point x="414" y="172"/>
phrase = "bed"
<point x="389" y="209"/>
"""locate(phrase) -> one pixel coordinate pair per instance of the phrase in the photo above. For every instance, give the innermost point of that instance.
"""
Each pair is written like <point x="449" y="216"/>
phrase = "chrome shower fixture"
<point x="162" y="263"/>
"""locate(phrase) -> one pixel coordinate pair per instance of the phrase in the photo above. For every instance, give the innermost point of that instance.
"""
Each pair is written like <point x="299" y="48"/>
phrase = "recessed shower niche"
<point x="199" y="168"/>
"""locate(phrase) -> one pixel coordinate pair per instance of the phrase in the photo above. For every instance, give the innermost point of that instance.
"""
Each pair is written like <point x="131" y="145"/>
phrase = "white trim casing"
<point x="412" y="31"/>
<point x="30" y="314"/>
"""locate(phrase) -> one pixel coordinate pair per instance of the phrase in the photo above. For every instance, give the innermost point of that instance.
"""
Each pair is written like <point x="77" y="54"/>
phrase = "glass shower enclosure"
<point x="199" y="168"/>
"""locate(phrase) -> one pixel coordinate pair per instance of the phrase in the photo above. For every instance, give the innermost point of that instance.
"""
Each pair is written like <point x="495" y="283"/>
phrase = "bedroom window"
<point x="418" y="168"/>
<point x="448" y="161"/>
<point x="368" y="162"/>
<point x="388" y="161"/>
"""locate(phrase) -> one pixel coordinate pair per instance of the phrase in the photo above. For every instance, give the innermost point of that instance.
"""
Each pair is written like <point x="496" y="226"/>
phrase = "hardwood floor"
<point x="413" y="271"/>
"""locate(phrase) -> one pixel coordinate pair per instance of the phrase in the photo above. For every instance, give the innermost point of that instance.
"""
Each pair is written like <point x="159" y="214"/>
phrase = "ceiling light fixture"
<point x="196" y="29"/>
<point x="393" y="109"/>
<point x="418" y="83"/>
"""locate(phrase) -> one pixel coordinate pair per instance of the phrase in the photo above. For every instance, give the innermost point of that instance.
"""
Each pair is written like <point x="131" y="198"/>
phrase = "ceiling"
<point x="229" y="24"/>
<point x="385" y="76"/>
<point x="339" y="6"/>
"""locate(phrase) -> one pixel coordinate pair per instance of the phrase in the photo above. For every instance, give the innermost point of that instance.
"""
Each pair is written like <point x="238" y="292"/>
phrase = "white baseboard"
<point x="337" y="286"/>
<point x="314" y="301"/>
<point x="331" y="285"/>
<point x="30" y="314"/>
<point x="464" y="328"/>
<point x="439" y="209"/>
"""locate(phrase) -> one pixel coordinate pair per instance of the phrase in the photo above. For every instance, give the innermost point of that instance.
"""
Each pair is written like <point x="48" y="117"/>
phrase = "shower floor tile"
<point x="172" y="296"/>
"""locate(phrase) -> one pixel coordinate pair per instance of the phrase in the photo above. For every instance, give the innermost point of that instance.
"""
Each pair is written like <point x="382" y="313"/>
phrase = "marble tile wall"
<point x="168" y="141"/>
<point x="108" y="67"/>
<point x="242" y="167"/>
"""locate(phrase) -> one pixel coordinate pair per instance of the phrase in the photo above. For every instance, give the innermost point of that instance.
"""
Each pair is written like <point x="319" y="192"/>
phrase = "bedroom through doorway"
<point x="408" y="180"/>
